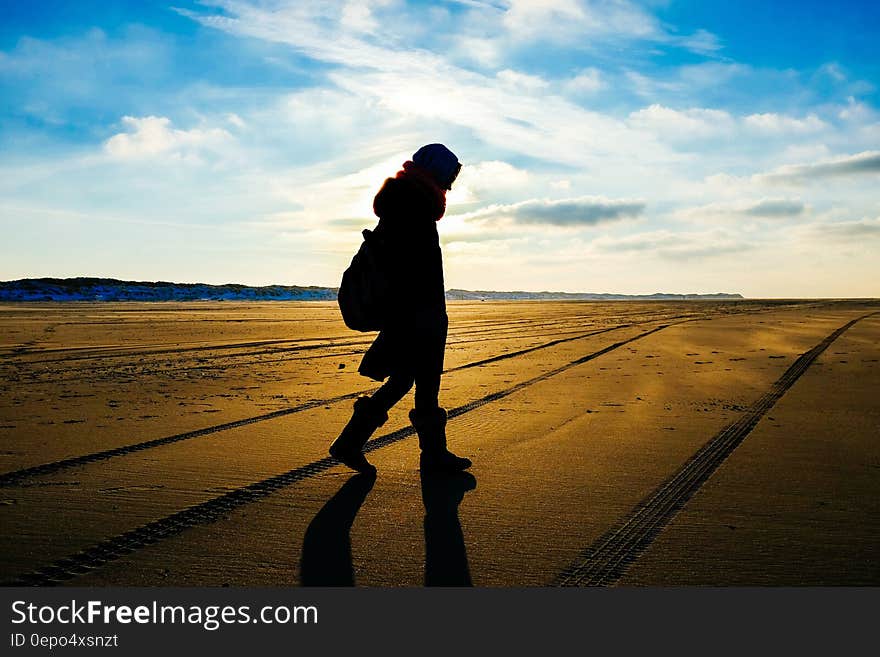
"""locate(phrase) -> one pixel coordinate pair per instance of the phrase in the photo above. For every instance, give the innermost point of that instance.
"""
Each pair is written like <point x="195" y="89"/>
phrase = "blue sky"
<point x="609" y="146"/>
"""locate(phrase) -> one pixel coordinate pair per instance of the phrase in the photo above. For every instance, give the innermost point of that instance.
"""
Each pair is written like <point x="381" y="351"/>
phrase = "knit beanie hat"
<point x="440" y="162"/>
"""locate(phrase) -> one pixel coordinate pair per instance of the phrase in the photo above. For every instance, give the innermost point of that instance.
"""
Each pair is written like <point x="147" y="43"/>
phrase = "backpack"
<point x="364" y="291"/>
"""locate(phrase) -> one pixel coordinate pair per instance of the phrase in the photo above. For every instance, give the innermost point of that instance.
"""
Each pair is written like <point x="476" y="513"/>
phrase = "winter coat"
<point x="414" y="337"/>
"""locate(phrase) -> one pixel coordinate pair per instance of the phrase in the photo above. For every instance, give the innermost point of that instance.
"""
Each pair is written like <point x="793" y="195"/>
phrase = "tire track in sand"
<point x="17" y="476"/>
<point x="219" y="507"/>
<point x="607" y="559"/>
<point x="70" y="354"/>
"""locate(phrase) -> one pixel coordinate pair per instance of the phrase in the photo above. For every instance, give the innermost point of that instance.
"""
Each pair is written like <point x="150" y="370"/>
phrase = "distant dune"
<point x="111" y="289"/>
<point x="561" y="296"/>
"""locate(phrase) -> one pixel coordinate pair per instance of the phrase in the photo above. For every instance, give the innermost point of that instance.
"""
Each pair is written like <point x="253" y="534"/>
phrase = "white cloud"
<point x="834" y="71"/>
<point x="153" y="135"/>
<point x="766" y="208"/>
<point x="570" y="19"/>
<point x="701" y="123"/>
<point x="358" y="16"/>
<point x="587" y="81"/>
<point x="856" y="111"/>
<point x="805" y="151"/>
<point x="686" y="82"/>
<point x="235" y="120"/>
<point x="517" y="81"/>
<point x="579" y="24"/>
<point x="779" y="123"/>
<point x="776" y="207"/>
<point x="491" y="176"/>
<point x="416" y="83"/>
<point x="488" y="53"/>
<point x="542" y="126"/>
<point x="582" y="211"/>
<point x="675" y="245"/>
<point x="481" y="182"/>
<point x="844" y="231"/>
<point x="473" y="235"/>
<point x="701" y="41"/>
<point x="334" y="200"/>
<point x="865" y="163"/>
<point x="668" y="123"/>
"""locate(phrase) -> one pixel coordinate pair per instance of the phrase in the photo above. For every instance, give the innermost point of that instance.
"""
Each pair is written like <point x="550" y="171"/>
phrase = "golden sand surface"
<point x="798" y="501"/>
<point x="132" y="436"/>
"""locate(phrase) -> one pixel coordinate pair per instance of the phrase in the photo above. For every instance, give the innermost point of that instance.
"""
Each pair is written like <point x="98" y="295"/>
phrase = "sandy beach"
<point x="185" y="444"/>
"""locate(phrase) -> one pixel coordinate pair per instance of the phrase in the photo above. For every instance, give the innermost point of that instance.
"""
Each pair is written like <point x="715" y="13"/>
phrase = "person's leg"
<point x="427" y="395"/>
<point x="369" y="414"/>
<point x="428" y="362"/>
<point x="393" y="390"/>
<point x="428" y="417"/>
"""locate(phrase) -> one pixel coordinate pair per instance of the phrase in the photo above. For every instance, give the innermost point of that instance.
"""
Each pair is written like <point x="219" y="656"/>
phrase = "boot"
<point x="431" y="427"/>
<point x="367" y="417"/>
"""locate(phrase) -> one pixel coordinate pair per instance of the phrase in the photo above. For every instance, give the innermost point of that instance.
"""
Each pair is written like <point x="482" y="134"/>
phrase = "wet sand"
<point x="185" y="444"/>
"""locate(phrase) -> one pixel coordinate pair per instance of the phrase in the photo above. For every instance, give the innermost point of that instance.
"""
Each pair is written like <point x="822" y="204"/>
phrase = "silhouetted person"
<point x="326" y="550"/>
<point x="446" y="562"/>
<point x="409" y="349"/>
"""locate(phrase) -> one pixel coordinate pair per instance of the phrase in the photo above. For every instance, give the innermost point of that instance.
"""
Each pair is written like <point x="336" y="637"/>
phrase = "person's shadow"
<point x="446" y="562"/>
<point x="326" y="550"/>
